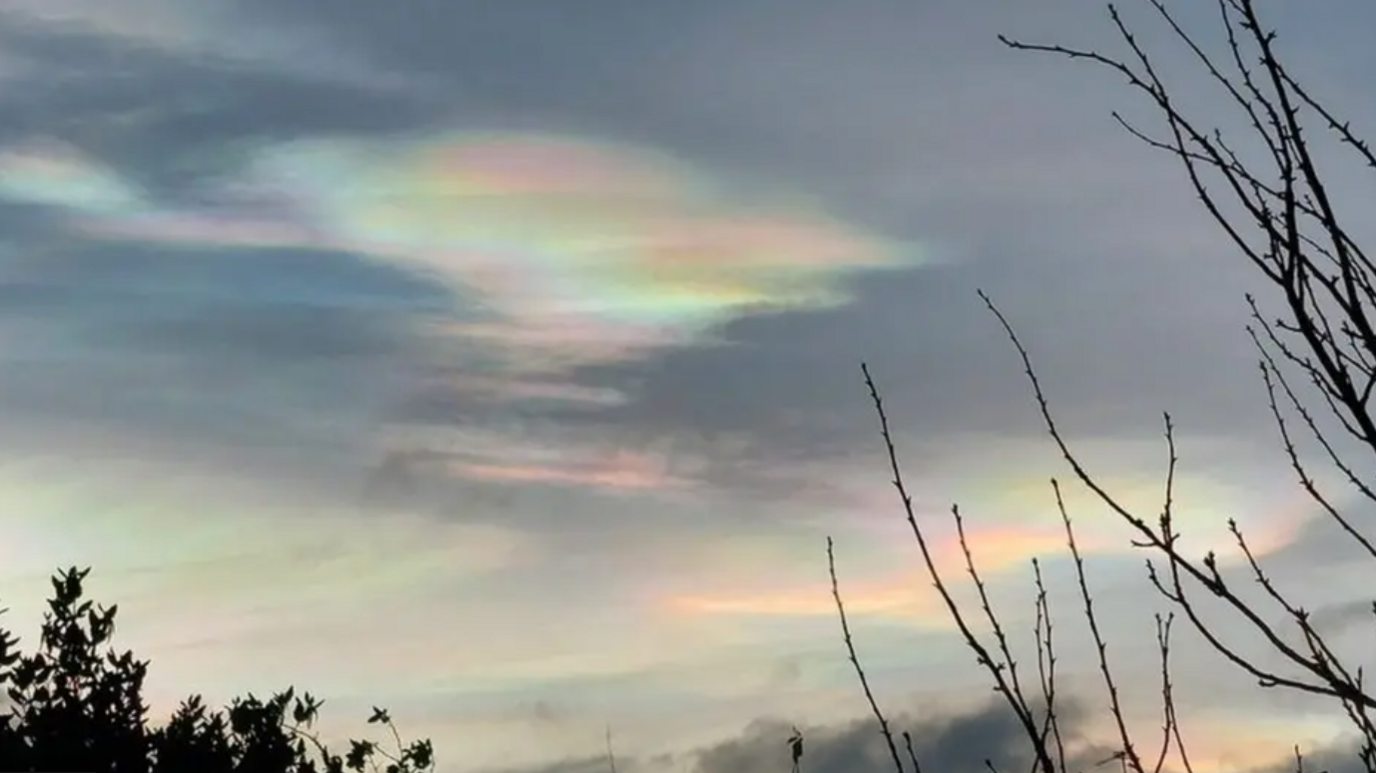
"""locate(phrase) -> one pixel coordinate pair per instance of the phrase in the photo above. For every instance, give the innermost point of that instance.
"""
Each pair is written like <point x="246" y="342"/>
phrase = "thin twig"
<point x="855" y="661"/>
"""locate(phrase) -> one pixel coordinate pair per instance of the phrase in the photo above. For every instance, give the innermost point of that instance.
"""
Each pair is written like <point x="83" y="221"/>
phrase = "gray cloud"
<point x="1340" y="757"/>
<point x="173" y="119"/>
<point x="236" y="338"/>
<point x="957" y="743"/>
<point x="582" y="765"/>
<point x="1341" y="617"/>
<point x="1321" y="541"/>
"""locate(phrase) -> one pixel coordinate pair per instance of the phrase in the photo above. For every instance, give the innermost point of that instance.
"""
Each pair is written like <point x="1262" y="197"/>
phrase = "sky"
<point x="498" y="362"/>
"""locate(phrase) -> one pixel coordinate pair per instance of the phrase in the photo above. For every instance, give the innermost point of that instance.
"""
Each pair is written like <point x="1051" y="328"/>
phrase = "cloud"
<point x="958" y="740"/>
<point x="1338" y="757"/>
<point x="215" y="31"/>
<point x="48" y="173"/>
<point x="584" y="765"/>
<point x="168" y="119"/>
<point x="555" y="254"/>
<point x="683" y="354"/>
<point x="989" y="734"/>
<point x="955" y="742"/>
<point x="568" y="244"/>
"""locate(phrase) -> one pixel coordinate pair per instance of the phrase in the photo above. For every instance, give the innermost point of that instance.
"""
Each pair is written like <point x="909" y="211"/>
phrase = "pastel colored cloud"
<point x="578" y="252"/>
<point x="902" y="594"/>
<point x="51" y="173"/>
<point x="1245" y="740"/>
<point x="560" y="254"/>
<point x="542" y="454"/>
<point x="1010" y="517"/>
<point x="530" y="390"/>
<point x="1008" y="482"/>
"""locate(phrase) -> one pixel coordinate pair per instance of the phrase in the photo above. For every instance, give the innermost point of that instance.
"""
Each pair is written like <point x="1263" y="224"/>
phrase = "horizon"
<point x="501" y="366"/>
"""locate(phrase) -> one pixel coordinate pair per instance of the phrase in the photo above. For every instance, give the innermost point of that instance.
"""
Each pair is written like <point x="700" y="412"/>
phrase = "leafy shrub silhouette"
<point x="76" y="705"/>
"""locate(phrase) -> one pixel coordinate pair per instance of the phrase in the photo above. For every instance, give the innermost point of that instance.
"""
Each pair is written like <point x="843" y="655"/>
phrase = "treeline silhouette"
<point x="75" y="704"/>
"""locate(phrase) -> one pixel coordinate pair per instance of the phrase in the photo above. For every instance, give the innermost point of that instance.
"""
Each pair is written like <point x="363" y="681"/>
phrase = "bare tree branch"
<point x="1279" y="212"/>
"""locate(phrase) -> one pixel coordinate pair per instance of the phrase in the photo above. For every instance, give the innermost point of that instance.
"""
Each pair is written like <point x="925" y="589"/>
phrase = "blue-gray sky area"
<point x="498" y="361"/>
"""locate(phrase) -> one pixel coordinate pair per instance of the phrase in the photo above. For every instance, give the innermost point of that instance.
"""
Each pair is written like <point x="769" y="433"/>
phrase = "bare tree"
<point x="1317" y="359"/>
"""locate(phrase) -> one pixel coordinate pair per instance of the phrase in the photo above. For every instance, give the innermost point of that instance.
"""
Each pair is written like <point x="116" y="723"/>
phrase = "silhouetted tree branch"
<point x="1280" y="213"/>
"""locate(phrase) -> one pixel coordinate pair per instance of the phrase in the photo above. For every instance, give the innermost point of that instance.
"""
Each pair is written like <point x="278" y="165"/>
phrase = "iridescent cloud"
<point x="579" y="252"/>
<point x="561" y="253"/>
<point x="904" y="595"/>
<point x="545" y="455"/>
<point x="58" y="175"/>
<point x="1009" y="518"/>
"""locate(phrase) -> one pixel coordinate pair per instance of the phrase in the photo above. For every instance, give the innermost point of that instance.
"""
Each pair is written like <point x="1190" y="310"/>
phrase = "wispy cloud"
<point x="565" y="245"/>
<point x="58" y="175"/>
<point x="561" y="254"/>
<point x="212" y="30"/>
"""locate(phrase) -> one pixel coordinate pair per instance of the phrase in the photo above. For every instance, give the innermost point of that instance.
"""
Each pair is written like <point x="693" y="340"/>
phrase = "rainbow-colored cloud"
<point x="577" y="252"/>
<point x="559" y="254"/>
